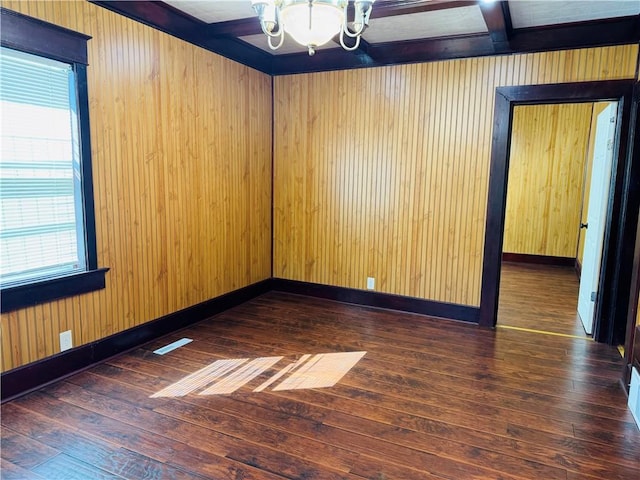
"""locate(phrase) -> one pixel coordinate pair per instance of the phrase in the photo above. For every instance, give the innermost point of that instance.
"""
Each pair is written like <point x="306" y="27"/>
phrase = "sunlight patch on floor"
<point x="242" y="376"/>
<point x="322" y="370"/>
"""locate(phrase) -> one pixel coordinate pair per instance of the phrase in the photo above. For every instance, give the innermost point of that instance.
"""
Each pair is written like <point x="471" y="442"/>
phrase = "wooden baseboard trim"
<point x="27" y="378"/>
<point x="387" y="301"/>
<point x="538" y="259"/>
<point x="22" y="380"/>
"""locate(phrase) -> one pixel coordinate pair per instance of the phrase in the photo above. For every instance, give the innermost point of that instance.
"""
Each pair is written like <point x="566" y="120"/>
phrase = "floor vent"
<point x="634" y="395"/>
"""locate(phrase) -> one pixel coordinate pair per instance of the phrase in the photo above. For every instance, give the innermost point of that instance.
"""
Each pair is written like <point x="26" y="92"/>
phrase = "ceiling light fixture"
<point x="312" y="23"/>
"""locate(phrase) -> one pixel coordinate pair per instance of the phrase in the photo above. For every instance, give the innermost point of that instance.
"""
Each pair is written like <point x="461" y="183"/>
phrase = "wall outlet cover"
<point x="66" y="340"/>
<point x="371" y="283"/>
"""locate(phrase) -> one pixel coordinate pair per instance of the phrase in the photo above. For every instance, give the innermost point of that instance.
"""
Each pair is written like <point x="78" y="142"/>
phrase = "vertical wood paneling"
<point x="383" y="172"/>
<point x="181" y="144"/>
<point x="546" y="174"/>
<point x="598" y="107"/>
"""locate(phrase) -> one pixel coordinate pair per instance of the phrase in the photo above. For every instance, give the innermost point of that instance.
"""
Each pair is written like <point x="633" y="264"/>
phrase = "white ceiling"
<point x="438" y="23"/>
<point x="427" y="24"/>
<point x="535" y="13"/>
<point x="212" y="11"/>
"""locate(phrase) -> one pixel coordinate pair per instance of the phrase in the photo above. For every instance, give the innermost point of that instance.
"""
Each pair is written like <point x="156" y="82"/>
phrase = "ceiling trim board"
<point x="502" y="39"/>
<point x="596" y="33"/>
<point x="250" y="26"/>
<point x="242" y="27"/>
<point x="496" y="16"/>
<point x="328" y="60"/>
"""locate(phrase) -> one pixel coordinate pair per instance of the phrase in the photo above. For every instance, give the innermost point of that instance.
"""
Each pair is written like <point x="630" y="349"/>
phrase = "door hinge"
<point x="593" y="296"/>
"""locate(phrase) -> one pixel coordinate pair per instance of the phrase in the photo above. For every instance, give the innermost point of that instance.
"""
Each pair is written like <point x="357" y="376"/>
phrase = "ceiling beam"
<point x="385" y="54"/>
<point x="496" y="16"/>
<point x="235" y="28"/>
<point x="251" y="26"/>
<point x="501" y="38"/>
<point x="618" y="31"/>
<point x="363" y="50"/>
<point x="600" y="33"/>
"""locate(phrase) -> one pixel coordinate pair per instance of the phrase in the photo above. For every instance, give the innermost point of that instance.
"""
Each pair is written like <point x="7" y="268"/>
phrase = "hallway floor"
<point x="540" y="297"/>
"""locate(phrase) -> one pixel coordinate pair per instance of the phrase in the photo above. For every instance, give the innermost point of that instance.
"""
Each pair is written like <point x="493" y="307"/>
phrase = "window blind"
<point x="41" y="218"/>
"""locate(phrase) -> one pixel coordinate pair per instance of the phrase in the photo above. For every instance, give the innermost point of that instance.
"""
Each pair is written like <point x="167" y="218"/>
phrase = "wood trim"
<point x="538" y="259"/>
<point x="30" y="294"/>
<point x="496" y="208"/>
<point x="496" y="16"/>
<point x="632" y="339"/>
<point x="25" y="379"/>
<point x="578" y="267"/>
<point x="88" y="200"/>
<point x="22" y="380"/>
<point x="632" y="343"/>
<point x="623" y="203"/>
<point x="614" y="31"/>
<point x="250" y="26"/>
<point x="625" y="30"/>
<point x="235" y="28"/>
<point x="42" y="38"/>
<point x="32" y="35"/>
<point x="387" y="301"/>
<point x="222" y="37"/>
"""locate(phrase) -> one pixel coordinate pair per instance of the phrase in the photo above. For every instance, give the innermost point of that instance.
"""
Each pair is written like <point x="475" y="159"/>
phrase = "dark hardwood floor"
<point x="548" y="295"/>
<point x="430" y="399"/>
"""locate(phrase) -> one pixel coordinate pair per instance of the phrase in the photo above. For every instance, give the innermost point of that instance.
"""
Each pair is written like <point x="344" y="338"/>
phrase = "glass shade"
<point x="326" y="22"/>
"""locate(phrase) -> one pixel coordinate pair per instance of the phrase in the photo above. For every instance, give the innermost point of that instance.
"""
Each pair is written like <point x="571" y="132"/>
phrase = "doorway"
<point x="611" y="306"/>
<point x="559" y="166"/>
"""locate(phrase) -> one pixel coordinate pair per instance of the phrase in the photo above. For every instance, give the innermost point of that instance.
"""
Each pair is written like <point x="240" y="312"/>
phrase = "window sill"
<point x="22" y="296"/>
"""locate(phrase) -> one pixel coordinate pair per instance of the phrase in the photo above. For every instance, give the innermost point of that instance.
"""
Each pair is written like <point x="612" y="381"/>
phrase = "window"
<point x="47" y="226"/>
<point x="42" y="226"/>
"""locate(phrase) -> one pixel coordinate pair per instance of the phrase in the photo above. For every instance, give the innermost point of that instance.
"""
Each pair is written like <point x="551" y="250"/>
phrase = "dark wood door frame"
<point x="632" y="342"/>
<point x="630" y="354"/>
<point x="622" y="215"/>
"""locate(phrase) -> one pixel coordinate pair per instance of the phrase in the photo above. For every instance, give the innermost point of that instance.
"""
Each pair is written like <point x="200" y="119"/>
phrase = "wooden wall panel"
<point x="598" y="107"/>
<point x="546" y="176"/>
<point x="181" y="142"/>
<point x="383" y="172"/>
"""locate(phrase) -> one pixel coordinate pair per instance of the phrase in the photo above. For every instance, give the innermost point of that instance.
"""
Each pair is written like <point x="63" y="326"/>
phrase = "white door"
<point x="597" y="214"/>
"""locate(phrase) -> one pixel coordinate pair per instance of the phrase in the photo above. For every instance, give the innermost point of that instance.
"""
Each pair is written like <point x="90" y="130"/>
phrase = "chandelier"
<point x="312" y="23"/>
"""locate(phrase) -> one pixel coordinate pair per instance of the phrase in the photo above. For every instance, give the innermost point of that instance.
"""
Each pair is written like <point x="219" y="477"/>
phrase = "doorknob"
<point x="584" y="225"/>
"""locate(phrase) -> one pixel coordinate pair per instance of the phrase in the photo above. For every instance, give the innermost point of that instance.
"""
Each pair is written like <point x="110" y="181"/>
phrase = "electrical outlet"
<point x="66" y="340"/>
<point x="371" y="283"/>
